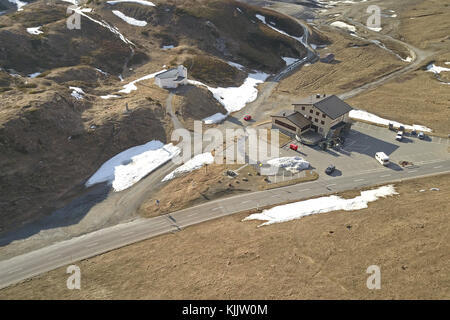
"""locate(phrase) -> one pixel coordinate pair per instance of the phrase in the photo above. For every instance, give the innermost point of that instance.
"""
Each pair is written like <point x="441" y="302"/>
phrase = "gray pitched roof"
<point x="332" y="106"/>
<point x="171" y="73"/>
<point x="295" y="117"/>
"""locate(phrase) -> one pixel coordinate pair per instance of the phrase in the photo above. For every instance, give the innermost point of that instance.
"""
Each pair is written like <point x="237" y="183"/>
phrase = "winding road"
<point x="66" y="252"/>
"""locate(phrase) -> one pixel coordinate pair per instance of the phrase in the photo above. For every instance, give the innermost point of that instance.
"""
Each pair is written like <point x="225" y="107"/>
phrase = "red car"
<point x="293" y="147"/>
<point x="248" y="118"/>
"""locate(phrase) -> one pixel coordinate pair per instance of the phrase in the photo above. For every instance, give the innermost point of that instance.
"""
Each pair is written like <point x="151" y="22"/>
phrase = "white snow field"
<point x="128" y="167"/>
<point x="195" y="163"/>
<point x="343" y="25"/>
<point x="129" y="20"/>
<point x="235" y="98"/>
<point x="436" y="69"/>
<point x="370" y="117"/>
<point x="292" y="164"/>
<point x="109" y="96"/>
<point x="34" y="75"/>
<point x="19" y="4"/>
<point x="35" y="30"/>
<point x="77" y="93"/>
<point x="215" y="118"/>
<point x="143" y="2"/>
<point x="300" y="209"/>
<point x="132" y="85"/>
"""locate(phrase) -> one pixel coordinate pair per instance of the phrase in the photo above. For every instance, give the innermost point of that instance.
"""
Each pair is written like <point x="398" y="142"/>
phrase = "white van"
<point x="382" y="158"/>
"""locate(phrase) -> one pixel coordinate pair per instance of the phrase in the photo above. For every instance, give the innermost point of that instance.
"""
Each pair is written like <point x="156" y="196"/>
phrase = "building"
<point x="327" y="116"/>
<point x="172" y="78"/>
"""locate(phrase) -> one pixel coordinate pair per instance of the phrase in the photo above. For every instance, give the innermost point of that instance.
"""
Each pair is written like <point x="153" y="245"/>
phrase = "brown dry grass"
<point x="322" y="256"/>
<point x="354" y="67"/>
<point x="415" y="98"/>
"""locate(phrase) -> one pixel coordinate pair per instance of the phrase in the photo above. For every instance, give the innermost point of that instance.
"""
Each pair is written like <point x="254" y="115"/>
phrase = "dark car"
<point x="330" y="169"/>
<point x="421" y="136"/>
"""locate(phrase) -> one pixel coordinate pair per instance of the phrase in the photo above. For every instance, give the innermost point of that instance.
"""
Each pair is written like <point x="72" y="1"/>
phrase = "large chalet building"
<point x="328" y="116"/>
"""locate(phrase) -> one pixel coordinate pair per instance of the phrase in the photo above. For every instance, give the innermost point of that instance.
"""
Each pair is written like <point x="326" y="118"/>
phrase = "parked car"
<point x="421" y="136"/>
<point x="382" y="158"/>
<point x="293" y="147"/>
<point x="330" y="169"/>
<point x="248" y="117"/>
<point x="399" y="136"/>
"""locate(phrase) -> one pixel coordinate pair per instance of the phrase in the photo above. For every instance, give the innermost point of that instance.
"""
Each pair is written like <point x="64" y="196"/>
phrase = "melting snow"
<point x="109" y="96"/>
<point x="35" y="30"/>
<point x="300" y="209"/>
<point x="343" y="25"/>
<point x="77" y="93"/>
<point x="195" y="163"/>
<point x="369" y="117"/>
<point x="168" y="47"/>
<point x="34" y="75"/>
<point x="19" y="4"/>
<point x="143" y="2"/>
<point x="236" y="65"/>
<point x="375" y="29"/>
<point x="293" y="164"/>
<point x="131" y="165"/>
<point x="215" y="118"/>
<point x="130" y="20"/>
<point x="435" y="69"/>
<point x="235" y="98"/>
<point x="132" y="85"/>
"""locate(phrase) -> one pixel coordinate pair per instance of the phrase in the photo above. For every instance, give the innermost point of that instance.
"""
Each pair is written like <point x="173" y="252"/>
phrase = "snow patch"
<point x="289" y="61"/>
<point x="132" y="85"/>
<point x="130" y="20"/>
<point x="168" y="47"/>
<point x="35" y="30"/>
<point x="236" y="65"/>
<point x="235" y="98"/>
<point x="215" y="118"/>
<point x="110" y="96"/>
<point x="343" y="25"/>
<point x="436" y="69"/>
<point x="369" y="117"/>
<point x="143" y="2"/>
<point x="194" y="164"/>
<point x="128" y="167"/>
<point x="77" y="93"/>
<point x="300" y="209"/>
<point x="19" y="4"/>
<point x="34" y="75"/>
<point x="292" y="164"/>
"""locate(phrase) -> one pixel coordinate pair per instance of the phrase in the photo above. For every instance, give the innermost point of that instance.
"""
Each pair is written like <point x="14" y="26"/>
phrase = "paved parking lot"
<point x="358" y="153"/>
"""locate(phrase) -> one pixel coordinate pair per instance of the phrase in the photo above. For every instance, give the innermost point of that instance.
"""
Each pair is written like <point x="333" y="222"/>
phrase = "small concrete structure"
<point x="172" y="78"/>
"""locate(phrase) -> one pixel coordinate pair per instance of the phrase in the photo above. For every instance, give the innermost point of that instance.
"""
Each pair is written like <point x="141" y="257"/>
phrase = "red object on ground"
<point x="293" y="147"/>
<point x="247" y="118"/>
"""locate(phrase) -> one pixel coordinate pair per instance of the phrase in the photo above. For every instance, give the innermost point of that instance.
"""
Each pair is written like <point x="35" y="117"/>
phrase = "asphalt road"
<point x="64" y="253"/>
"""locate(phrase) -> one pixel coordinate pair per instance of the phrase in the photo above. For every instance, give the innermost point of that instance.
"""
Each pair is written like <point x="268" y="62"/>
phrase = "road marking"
<point x="437" y="167"/>
<point x="386" y="175"/>
<point x="303" y="190"/>
<point x="358" y="180"/>
<point x="330" y="185"/>
<point x="91" y="244"/>
<point x="216" y="208"/>
<point x="246" y="201"/>
<point x="411" y="171"/>
<point x="15" y="270"/>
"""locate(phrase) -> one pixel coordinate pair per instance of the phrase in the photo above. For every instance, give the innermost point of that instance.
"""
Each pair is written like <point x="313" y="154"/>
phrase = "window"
<point x="303" y="108"/>
<point x="317" y="113"/>
<point x="316" y="120"/>
<point x="322" y="122"/>
<point x="323" y="115"/>
<point x="310" y="118"/>
<point x="285" y="125"/>
<point x="310" y="111"/>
